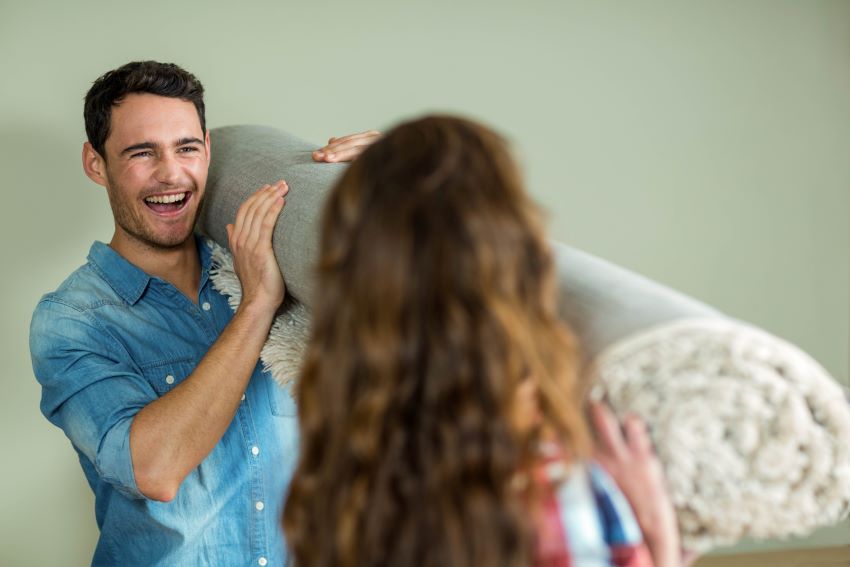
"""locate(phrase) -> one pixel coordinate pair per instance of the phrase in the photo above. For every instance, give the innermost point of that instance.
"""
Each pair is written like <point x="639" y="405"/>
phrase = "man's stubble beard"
<point x="133" y="224"/>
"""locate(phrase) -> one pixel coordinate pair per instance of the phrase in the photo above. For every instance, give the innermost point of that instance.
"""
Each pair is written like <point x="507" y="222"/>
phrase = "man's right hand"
<point x="250" y="240"/>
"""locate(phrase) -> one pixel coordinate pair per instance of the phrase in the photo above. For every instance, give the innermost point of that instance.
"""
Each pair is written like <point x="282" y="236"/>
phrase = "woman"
<point x="438" y="416"/>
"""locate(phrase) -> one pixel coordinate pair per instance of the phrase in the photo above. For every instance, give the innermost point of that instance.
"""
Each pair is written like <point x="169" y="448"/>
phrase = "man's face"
<point x="157" y="159"/>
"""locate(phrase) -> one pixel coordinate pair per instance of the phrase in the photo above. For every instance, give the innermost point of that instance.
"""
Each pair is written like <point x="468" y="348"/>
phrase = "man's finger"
<point x="326" y="156"/>
<point x="342" y="152"/>
<point x="256" y="232"/>
<point x="267" y="217"/>
<point x="246" y="214"/>
<point x="368" y="134"/>
<point x="254" y="213"/>
<point x="243" y="209"/>
<point x="345" y="155"/>
<point x="246" y="211"/>
<point x="347" y="145"/>
<point x="331" y="152"/>
<point x="270" y="218"/>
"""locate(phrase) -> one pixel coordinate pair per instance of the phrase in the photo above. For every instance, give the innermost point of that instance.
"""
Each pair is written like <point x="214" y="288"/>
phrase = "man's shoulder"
<point x="65" y="316"/>
<point x="84" y="289"/>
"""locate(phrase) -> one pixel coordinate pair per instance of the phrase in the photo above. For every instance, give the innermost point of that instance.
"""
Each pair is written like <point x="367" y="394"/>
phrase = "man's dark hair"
<point x="162" y="79"/>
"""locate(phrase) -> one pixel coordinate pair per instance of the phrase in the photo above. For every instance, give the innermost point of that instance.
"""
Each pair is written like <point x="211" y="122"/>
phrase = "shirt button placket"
<point x="259" y="505"/>
<point x="257" y="519"/>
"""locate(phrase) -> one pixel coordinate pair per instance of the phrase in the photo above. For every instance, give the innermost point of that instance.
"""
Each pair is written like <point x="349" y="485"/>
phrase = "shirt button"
<point x="169" y="379"/>
<point x="206" y="306"/>
<point x="262" y="562"/>
<point x="259" y="506"/>
<point x="243" y="397"/>
<point x="255" y="450"/>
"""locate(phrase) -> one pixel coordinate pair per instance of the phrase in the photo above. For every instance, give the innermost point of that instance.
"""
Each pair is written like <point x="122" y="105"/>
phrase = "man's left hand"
<point x="346" y="148"/>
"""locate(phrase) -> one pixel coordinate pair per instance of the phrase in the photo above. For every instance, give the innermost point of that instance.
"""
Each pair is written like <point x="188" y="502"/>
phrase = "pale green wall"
<point x="703" y="144"/>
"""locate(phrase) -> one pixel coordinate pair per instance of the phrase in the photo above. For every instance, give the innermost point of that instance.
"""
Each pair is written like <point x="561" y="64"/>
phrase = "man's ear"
<point x="94" y="165"/>
<point x="207" y="144"/>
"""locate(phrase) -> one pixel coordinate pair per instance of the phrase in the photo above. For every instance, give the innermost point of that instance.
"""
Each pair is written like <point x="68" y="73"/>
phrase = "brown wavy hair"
<point x="436" y="299"/>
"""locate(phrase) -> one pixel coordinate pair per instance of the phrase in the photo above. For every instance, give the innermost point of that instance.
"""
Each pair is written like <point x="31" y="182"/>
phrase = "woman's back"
<point x="436" y="311"/>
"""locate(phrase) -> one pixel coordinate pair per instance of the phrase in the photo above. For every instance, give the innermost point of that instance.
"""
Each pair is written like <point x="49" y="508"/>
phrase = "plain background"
<point x="704" y="144"/>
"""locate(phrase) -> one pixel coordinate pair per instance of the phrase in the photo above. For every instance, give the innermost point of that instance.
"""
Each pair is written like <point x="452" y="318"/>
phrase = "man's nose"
<point x="168" y="170"/>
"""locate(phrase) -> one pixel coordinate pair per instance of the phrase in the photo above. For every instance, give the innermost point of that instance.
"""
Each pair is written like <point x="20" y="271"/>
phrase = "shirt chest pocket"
<point x="165" y="376"/>
<point x="280" y="399"/>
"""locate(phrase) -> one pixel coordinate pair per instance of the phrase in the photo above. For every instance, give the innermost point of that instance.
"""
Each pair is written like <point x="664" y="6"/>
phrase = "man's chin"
<point x="174" y="238"/>
<point x="165" y="242"/>
<point x="157" y="235"/>
<point x="172" y="243"/>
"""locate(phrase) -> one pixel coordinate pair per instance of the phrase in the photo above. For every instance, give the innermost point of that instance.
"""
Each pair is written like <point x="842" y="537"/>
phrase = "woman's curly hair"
<point x="435" y="300"/>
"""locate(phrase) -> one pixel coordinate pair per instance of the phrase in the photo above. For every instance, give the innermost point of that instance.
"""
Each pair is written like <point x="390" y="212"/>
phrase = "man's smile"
<point x="168" y="204"/>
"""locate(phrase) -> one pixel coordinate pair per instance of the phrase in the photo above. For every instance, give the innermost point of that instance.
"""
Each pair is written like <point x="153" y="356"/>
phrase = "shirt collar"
<point x="128" y="280"/>
<point x="205" y="248"/>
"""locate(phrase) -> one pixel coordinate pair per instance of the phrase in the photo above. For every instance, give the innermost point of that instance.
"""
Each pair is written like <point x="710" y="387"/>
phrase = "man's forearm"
<point x="172" y="435"/>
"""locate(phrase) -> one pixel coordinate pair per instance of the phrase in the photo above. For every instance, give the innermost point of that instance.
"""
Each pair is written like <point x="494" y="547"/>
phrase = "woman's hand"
<point x="627" y="454"/>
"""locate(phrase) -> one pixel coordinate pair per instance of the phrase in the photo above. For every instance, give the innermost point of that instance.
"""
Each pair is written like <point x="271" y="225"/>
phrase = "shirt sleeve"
<point x="90" y="388"/>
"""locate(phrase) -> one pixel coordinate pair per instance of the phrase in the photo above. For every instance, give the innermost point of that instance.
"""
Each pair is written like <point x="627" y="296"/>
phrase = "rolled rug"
<point x="753" y="434"/>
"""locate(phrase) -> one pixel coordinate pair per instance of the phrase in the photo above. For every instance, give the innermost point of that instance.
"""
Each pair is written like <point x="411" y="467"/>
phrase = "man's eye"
<point x="141" y="154"/>
<point x="187" y="149"/>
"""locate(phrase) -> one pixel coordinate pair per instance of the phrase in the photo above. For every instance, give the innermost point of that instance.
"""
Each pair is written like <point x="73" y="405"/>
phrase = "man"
<point x="187" y="444"/>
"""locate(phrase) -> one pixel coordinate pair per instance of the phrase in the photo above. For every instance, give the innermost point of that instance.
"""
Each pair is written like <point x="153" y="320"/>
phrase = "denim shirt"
<point x="104" y="345"/>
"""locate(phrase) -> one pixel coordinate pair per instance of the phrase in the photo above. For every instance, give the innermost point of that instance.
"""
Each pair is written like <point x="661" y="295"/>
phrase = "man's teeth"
<point x="164" y="199"/>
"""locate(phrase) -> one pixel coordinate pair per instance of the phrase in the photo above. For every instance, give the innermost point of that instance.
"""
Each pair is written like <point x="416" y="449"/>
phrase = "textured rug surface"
<point x="754" y="435"/>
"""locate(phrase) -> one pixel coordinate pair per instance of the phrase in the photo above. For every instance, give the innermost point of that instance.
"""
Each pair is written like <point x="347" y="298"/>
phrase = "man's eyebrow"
<point x="141" y="146"/>
<point x="153" y="146"/>
<point x="184" y="141"/>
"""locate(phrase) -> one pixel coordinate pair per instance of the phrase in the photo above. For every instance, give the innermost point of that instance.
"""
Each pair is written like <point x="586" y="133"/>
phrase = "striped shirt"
<point x="584" y="520"/>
